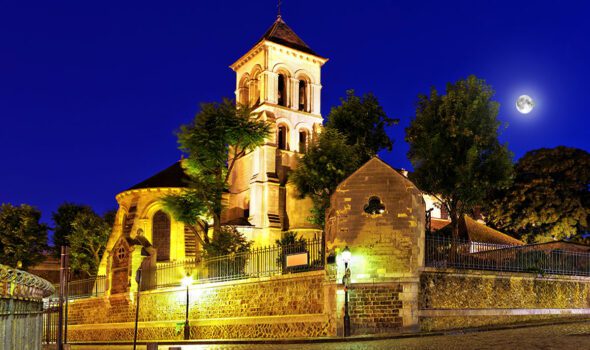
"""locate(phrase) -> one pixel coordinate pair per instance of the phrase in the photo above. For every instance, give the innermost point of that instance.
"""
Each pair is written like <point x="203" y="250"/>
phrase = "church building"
<point x="280" y="78"/>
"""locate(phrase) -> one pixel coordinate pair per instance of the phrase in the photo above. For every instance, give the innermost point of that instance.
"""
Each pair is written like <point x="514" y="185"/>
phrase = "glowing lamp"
<point x="346" y="255"/>
<point x="187" y="281"/>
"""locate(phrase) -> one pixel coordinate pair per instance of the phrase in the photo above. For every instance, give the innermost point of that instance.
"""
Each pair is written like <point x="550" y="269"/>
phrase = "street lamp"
<point x="186" y="282"/>
<point x="346" y="256"/>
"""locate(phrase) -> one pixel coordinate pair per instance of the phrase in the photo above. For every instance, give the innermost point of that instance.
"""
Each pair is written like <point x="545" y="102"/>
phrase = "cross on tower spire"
<point x="279" y="9"/>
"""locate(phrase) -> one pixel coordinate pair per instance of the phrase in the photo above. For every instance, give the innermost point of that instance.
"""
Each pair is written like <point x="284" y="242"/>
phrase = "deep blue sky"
<point x="91" y="92"/>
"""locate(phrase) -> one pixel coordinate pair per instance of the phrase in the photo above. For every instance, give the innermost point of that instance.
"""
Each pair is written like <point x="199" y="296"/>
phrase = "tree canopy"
<point x="22" y="237"/>
<point x="355" y="131"/>
<point x="328" y="161"/>
<point x="88" y="240"/>
<point x="549" y="198"/>
<point x="219" y="135"/>
<point x="363" y="121"/>
<point x="454" y="146"/>
<point x="62" y="220"/>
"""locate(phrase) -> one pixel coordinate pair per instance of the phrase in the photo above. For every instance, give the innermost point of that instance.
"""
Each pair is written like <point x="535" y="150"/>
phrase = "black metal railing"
<point x="258" y="262"/>
<point x="84" y="288"/>
<point x="443" y="252"/>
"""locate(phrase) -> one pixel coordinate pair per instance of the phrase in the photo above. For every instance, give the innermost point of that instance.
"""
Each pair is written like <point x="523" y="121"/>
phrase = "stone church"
<point x="280" y="77"/>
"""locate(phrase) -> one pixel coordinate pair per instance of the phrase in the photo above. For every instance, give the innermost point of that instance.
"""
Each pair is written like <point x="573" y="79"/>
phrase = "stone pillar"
<point x="294" y="94"/>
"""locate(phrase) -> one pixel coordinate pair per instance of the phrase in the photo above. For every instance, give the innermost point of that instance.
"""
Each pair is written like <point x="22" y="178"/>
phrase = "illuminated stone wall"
<point x="456" y="299"/>
<point x="385" y="244"/>
<point x="375" y="308"/>
<point x="282" y="306"/>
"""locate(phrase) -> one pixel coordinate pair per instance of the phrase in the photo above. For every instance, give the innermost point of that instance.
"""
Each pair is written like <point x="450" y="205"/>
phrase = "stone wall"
<point x="282" y="306"/>
<point x="375" y="308"/>
<point x="462" y="298"/>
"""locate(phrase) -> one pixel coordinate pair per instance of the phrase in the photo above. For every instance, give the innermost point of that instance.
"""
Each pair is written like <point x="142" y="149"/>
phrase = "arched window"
<point x="282" y="90"/>
<point x="282" y="137"/>
<point x="255" y="90"/>
<point x="243" y="91"/>
<point x="302" y="141"/>
<point x="303" y="87"/>
<point x="161" y="235"/>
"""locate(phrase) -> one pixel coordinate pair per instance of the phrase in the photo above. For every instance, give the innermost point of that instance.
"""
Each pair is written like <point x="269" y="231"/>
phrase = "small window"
<point x="302" y="141"/>
<point x="121" y="253"/>
<point x="282" y="137"/>
<point x="374" y="206"/>
<point x="303" y="95"/>
<point x="282" y="90"/>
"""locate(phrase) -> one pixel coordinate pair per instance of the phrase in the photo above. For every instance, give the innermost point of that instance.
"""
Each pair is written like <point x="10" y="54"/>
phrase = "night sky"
<point x="92" y="92"/>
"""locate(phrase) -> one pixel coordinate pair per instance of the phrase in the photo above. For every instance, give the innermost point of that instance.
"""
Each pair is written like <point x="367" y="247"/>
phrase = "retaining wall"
<point x="297" y="305"/>
<point x="465" y="298"/>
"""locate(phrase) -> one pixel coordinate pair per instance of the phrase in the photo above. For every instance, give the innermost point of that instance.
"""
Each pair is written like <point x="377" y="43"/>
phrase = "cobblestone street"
<point x="568" y="336"/>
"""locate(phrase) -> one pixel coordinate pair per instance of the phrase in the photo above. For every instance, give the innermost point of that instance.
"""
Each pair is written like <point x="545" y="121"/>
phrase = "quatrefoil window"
<point x="121" y="253"/>
<point x="374" y="206"/>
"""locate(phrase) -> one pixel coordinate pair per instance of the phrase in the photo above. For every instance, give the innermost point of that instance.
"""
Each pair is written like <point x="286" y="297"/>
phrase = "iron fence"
<point x="258" y="262"/>
<point x="85" y="288"/>
<point x="443" y="252"/>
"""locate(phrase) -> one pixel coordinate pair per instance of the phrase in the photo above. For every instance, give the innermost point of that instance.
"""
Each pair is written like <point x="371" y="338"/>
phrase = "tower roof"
<point x="281" y="33"/>
<point x="173" y="176"/>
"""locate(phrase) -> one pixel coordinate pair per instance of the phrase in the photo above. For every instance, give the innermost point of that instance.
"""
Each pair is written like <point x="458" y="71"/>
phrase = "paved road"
<point x="574" y="336"/>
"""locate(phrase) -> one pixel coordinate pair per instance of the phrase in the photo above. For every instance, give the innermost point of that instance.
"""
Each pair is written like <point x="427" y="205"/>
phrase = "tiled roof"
<point x="173" y="176"/>
<point x="437" y="224"/>
<point x="474" y="231"/>
<point x="281" y="33"/>
<point x="478" y="232"/>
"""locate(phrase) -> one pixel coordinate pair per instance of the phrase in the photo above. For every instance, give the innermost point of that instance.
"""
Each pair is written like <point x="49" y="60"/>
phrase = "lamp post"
<point x="187" y="281"/>
<point x="346" y="256"/>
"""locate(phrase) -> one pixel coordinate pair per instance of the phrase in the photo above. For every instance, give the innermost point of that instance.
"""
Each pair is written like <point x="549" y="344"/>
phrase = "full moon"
<point x="525" y="104"/>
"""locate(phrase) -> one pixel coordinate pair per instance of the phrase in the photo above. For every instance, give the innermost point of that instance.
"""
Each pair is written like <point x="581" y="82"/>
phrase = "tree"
<point x="220" y="134"/>
<point x="328" y="161"/>
<point x="22" y="237"/>
<point x="88" y="240"/>
<point x="227" y="241"/>
<point x="549" y="198"/>
<point x="454" y="147"/>
<point x="363" y="121"/>
<point x="62" y="219"/>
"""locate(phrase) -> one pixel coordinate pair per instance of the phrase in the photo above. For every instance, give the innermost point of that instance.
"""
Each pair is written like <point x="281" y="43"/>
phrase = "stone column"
<point x="294" y="94"/>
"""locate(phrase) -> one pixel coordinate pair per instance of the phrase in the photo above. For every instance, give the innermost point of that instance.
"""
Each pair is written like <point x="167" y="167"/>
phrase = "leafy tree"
<point x="549" y="198"/>
<point x="88" y="240"/>
<point x="328" y="161"/>
<point x="363" y="121"/>
<point x="226" y="242"/>
<point x="22" y="237"/>
<point x="62" y="219"/>
<point x="220" y="134"/>
<point x="454" y="147"/>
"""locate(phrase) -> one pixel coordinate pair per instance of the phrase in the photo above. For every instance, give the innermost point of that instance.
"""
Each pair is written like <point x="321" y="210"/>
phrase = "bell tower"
<point x="280" y="77"/>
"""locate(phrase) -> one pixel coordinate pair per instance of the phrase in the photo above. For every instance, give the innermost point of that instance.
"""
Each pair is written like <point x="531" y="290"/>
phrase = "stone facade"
<point x="463" y="298"/>
<point x="385" y="244"/>
<point x="375" y="308"/>
<point x="379" y="214"/>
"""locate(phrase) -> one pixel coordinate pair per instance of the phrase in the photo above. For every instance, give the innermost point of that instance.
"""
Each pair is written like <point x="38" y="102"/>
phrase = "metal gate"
<point x="50" y="319"/>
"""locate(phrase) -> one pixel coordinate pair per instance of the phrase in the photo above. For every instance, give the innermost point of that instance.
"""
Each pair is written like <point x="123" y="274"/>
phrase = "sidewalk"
<point x="171" y="343"/>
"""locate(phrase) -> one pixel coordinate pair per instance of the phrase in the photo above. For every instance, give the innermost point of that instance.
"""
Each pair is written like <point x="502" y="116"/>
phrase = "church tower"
<point x="280" y="77"/>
